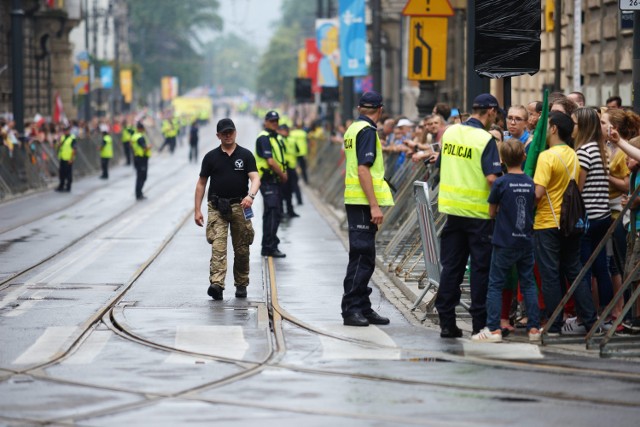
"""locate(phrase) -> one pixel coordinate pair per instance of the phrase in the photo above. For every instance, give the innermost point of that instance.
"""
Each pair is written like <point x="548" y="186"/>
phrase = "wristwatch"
<point x="253" y="196"/>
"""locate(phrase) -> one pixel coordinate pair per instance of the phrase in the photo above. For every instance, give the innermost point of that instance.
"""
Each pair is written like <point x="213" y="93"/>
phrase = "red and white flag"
<point x="58" y="110"/>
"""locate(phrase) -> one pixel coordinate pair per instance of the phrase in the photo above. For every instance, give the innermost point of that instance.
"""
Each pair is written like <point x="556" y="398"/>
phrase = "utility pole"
<point x="475" y="84"/>
<point x="115" y="90"/>
<point x="17" y="70"/>
<point x="87" y="103"/>
<point x="557" y="23"/>
<point x="636" y="62"/>
<point x="376" y="45"/>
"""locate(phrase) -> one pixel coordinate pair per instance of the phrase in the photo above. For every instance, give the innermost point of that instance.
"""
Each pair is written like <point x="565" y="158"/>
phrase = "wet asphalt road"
<point x="104" y="320"/>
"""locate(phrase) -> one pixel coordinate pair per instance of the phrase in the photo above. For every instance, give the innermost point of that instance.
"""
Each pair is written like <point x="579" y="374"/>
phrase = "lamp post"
<point x="17" y="69"/>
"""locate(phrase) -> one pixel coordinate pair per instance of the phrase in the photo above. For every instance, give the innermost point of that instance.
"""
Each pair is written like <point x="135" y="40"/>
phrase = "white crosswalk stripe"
<point x="333" y="348"/>
<point x="214" y="340"/>
<point x="46" y="346"/>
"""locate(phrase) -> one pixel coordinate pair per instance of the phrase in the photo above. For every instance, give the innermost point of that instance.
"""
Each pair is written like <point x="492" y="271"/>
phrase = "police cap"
<point x="371" y="100"/>
<point x="271" y="115"/>
<point x="485" y="100"/>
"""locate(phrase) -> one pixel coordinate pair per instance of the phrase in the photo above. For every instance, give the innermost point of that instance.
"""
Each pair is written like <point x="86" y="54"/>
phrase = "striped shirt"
<point x="596" y="187"/>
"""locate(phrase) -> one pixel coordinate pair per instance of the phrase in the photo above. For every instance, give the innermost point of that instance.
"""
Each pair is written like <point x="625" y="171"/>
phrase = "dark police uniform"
<point x="468" y="229"/>
<point x="362" y="148"/>
<point x="141" y="153"/>
<point x="66" y="154"/>
<point x="270" y="189"/>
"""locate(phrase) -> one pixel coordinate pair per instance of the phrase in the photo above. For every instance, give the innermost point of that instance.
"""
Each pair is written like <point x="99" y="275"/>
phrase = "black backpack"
<point x="574" y="221"/>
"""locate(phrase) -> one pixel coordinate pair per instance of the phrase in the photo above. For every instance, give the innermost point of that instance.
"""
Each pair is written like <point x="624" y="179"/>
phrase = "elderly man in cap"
<point x="365" y="192"/>
<point x="270" y="160"/>
<point x="469" y="164"/>
<point x="66" y="155"/>
<point x="229" y="168"/>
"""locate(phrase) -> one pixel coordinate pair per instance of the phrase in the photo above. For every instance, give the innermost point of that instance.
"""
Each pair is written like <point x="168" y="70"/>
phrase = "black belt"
<point x="233" y="200"/>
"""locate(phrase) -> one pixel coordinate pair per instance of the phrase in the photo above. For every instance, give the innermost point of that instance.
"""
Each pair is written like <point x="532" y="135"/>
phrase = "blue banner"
<point x="353" y="38"/>
<point x="106" y="76"/>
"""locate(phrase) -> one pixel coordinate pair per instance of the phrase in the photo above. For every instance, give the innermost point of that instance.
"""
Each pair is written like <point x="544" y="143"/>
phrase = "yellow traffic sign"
<point x="428" y="8"/>
<point x="427" y="48"/>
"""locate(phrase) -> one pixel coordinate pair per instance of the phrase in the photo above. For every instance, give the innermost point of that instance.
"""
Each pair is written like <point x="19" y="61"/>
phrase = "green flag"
<point x="539" y="142"/>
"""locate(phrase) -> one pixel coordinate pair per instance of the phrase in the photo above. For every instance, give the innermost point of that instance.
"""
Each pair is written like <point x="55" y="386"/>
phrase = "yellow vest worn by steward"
<point x="168" y="129"/>
<point x="138" y="151"/>
<point x="126" y="134"/>
<point x="464" y="189"/>
<point x="353" y="193"/>
<point x="65" y="152"/>
<point x="106" y="152"/>
<point x="277" y="152"/>
<point x="299" y="136"/>
<point x="291" y="152"/>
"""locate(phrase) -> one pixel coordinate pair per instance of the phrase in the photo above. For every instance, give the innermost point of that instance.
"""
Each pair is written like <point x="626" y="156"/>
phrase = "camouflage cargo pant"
<point x="241" y="238"/>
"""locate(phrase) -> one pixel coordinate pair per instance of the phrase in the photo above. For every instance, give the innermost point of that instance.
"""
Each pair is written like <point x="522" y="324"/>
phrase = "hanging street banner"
<point x="327" y="42"/>
<point x="126" y="85"/>
<point x="313" y="56"/>
<point x="353" y="38"/>
<point x="106" y="76"/>
<point x="302" y="63"/>
<point x="169" y="88"/>
<point x="81" y="74"/>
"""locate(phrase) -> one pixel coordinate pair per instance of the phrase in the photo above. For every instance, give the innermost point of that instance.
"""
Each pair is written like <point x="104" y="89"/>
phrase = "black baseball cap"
<point x="283" y="127"/>
<point x="371" y="100"/>
<point x="271" y="115"/>
<point x="486" y="100"/>
<point x="225" y="124"/>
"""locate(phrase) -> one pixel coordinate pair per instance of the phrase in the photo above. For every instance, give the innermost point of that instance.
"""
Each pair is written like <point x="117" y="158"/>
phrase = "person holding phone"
<point x="230" y="168"/>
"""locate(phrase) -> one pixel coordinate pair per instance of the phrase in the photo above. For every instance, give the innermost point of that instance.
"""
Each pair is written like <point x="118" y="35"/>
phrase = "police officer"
<point x="141" y="153"/>
<point x="230" y="167"/>
<point x="169" y="132"/>
<point x="469" y="164"/>
<point x="365" y="192"/>
<point x="299" y="136"/>
<point x="106" y="150"/>
<point x="272" y="169"/>
<point x="193" y="141"/>
<point x="66" y="156"/>
<point x="127" y="132"/>
<point x="290" y="159"/>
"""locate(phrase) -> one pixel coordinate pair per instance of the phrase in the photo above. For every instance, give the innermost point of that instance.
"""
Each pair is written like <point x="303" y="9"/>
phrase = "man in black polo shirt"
<point x="230" y="168"/>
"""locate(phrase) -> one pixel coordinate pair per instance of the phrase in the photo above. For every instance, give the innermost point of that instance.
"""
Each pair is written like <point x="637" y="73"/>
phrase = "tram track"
<point x="6" y="282"/>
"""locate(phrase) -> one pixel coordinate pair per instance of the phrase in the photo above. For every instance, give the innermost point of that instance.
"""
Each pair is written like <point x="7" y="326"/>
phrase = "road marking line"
<point x="214" y="340"/>
<point x="333" y="348"/>
<point x="47" y="345"/>
<point x="89" y="349"/>
<point x="502" y="351"/>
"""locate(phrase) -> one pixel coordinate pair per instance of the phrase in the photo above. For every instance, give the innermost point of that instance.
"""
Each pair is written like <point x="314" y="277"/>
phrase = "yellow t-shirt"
<point x="618" y="169"/>
<point x="551" y="174"/>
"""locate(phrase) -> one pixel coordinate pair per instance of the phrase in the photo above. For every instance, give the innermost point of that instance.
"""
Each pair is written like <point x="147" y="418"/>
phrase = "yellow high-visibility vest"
<point x="277" y="152"/>
<point x="464" y="189"/>
<point x="138" y="151"/>
<point x="65" y="151"/>
<point x="300" y="138"/>
<point x="353" y="192"/>
<point x="106" y="152"/>
<point x="290" y="154"/>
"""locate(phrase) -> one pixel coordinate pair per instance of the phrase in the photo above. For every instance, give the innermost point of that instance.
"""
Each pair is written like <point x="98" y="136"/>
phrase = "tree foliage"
<point x="230" y="64"/>
<point x="279" y="64"/>
<point x="166" y="38"/>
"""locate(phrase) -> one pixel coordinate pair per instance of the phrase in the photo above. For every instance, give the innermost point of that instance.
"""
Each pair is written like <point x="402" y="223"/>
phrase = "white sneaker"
<point x="535" y="335"/>
<point x="572" y="327"/>
<point x="485" y="335"/>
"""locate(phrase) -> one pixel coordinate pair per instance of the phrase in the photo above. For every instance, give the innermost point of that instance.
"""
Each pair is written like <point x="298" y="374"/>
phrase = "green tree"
<point x="230" y="63"/>
<point x="166" y="39"/>
<point x="279" y="64"/>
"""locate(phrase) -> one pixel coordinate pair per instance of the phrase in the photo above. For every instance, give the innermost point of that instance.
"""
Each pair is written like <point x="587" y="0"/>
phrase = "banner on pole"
<point x="353" y="38"/>
<point x="327" y="42"/>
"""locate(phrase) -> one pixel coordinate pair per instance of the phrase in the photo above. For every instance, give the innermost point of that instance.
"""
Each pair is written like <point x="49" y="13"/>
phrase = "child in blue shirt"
<point x="511" y="203"/>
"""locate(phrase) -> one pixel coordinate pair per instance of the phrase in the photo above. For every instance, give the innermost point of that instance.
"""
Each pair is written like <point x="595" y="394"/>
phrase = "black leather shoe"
<point x="215" y="292"/>
<point x="453" y="332"/>
<point x="275" y="254"/>
<point x="375" y="319"/>
<point x="241" y="291"/>
<point x="293" y="215"/>
<point x="355" y="319"/>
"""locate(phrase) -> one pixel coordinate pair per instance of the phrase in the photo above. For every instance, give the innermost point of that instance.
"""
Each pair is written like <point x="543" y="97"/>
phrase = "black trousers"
<point x="289" y="188"/>
<point x="193" y="152"/>
<point x="362" y="260"/>
<point x="105" y="167"/>
<point x="271" y="216"/>
<point x="65" y="175"/>
<point x="126" y="146"/>
<point x="302" y="162"/>
<point x="141" y="164"/>
<point x="460" y="238"/>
